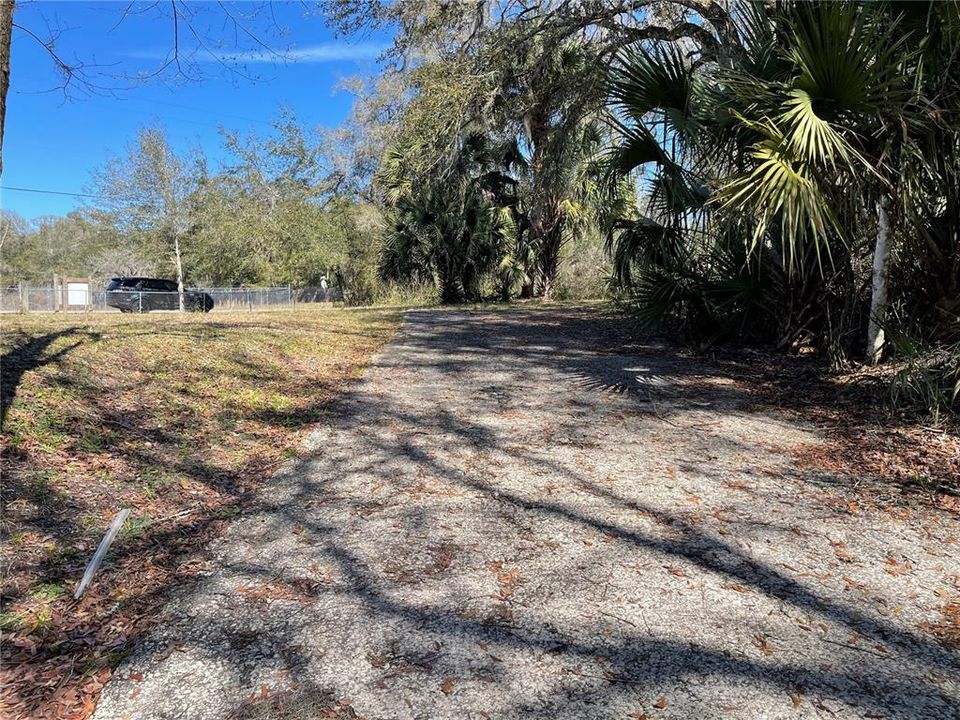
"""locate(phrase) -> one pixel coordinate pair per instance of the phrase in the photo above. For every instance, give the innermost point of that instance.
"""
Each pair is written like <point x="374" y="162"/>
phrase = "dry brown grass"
<point x="177" y="418"/>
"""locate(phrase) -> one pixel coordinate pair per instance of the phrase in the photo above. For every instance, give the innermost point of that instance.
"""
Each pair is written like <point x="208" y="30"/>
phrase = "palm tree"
<point x="453" y="229"/>
<point x="789" y="149"/>
<point x="548" y="100"/>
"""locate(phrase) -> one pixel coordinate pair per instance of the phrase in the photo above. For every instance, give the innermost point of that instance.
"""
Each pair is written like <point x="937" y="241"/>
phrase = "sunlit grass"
<point x="156" y="413"/>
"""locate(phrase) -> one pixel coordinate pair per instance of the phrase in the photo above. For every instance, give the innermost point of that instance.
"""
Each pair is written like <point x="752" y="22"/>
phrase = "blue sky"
<point x="54" y="140"/>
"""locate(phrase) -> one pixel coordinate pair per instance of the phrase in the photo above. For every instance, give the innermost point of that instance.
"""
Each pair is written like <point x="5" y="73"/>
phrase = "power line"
<point x="46" y="192"/>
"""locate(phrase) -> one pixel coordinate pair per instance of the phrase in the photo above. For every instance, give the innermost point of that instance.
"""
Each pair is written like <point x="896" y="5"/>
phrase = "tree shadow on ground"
<point x="28" y="352"/>
<point x="569" y="344"/>
<point x="630" y="652"/>
<point x="180" y="494"/>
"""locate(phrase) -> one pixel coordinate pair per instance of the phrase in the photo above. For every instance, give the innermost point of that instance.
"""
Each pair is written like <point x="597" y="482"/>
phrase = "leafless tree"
<point x="199" y="35"/>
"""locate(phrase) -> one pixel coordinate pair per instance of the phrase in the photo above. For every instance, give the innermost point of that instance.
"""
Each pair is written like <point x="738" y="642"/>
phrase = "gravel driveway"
<point x="510" y="516"/>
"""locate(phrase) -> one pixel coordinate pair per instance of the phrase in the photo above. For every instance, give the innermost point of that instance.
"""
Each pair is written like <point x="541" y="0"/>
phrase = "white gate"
<point x="78" y="294"/>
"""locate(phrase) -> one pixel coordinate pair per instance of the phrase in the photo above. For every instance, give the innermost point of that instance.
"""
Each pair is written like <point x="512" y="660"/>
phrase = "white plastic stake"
<point x="97" y="558"/>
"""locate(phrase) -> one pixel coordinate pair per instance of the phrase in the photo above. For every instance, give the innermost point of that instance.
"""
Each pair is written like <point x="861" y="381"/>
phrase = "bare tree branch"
<point x="709" y="45"/>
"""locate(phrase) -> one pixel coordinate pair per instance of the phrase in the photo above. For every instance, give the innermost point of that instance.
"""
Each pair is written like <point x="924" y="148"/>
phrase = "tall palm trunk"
<point x="446" y="275"/>
<point x="878" y="300"/>
<point x="6" y="32"/>
<point x="550" y="243"/>
<point x="544" y="220"/>
<point x="546" y="234"/>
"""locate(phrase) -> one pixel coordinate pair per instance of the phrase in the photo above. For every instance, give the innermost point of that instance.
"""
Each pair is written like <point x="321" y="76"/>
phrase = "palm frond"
<point x="661" y="80"/>
<point x="783" y="192"/>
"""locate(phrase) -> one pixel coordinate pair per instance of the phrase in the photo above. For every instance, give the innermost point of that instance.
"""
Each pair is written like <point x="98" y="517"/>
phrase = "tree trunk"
<point x="6" y="31"/>
<point x="546" y="286"/>
<point x="446" y="282"/>
<point x="550" y="245"/>
<point x="543" y="207"/>
<point x="878" y="300"/>
<point x="176" y="257"/>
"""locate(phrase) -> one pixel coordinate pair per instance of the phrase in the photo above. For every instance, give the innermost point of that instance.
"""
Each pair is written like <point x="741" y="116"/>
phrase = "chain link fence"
<point x="22" y="298"/>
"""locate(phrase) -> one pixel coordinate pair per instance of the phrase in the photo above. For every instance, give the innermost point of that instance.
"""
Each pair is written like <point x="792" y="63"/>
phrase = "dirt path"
<point x="507" y="518"/>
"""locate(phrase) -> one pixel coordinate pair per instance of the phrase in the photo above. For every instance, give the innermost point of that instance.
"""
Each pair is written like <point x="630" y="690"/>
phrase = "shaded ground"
<point x="512" y="516"/>
<point x="888" y="457"/>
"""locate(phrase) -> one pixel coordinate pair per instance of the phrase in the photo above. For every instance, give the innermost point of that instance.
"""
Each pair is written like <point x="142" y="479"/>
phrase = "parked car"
<point x="134" y="294"/>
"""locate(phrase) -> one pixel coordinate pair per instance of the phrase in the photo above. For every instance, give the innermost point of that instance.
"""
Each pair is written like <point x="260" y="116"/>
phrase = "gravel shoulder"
<point x="511" y="516"/>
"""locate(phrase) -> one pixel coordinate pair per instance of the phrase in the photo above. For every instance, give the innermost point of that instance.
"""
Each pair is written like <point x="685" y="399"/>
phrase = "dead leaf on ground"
<point x="894" y="567"/>
<point x="760" y="641"/>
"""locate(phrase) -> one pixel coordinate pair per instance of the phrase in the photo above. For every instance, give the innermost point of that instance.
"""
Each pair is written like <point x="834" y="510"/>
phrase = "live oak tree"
<point x="275" y="208"/>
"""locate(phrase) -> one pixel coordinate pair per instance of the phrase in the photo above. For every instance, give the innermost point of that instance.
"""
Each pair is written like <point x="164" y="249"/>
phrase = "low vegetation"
<point x="177" y="418"/>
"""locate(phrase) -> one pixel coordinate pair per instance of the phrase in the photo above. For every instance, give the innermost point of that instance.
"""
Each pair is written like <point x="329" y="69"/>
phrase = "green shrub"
<point x="929" y="375"/>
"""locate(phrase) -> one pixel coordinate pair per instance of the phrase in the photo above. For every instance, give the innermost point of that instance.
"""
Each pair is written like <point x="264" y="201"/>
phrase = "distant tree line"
<point x="271" y="214"/>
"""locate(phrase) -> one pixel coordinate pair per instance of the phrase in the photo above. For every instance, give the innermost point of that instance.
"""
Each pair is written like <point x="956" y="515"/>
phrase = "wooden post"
<point x="66" y="297"/>
<point x="20" y="297"/>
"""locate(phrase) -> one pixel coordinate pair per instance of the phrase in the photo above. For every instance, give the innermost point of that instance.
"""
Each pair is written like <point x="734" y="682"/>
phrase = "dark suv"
<point x="133" y="294"/>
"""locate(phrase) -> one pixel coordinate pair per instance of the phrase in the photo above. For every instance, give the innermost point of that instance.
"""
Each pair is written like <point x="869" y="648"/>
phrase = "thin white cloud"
<point x="322" y="53"/>
<point x="326" y="52"/>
